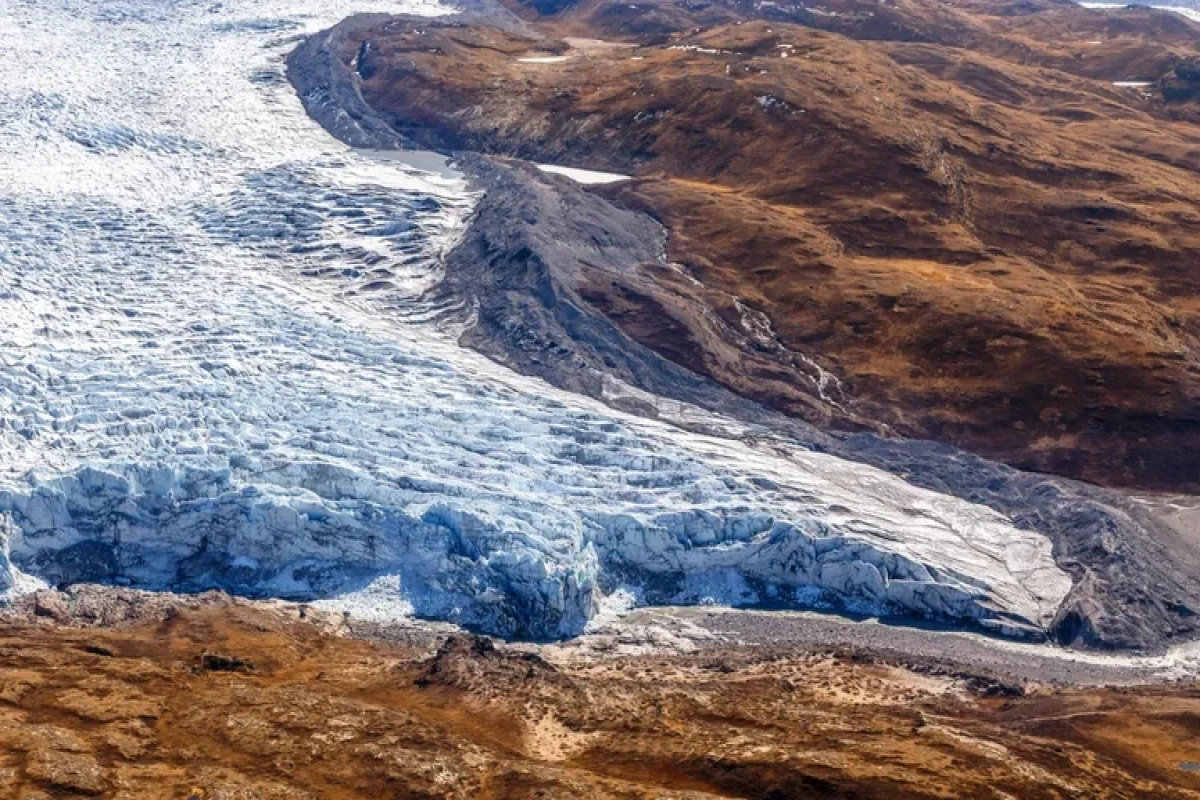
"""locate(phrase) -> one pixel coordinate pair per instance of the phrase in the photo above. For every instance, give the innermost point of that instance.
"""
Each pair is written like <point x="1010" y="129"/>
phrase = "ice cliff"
<point x="308" y="530"/>
<point x="218" y="369"/>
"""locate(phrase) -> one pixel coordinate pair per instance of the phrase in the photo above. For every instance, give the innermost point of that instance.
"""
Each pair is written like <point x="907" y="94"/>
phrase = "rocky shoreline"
<point x="520" y="262"/>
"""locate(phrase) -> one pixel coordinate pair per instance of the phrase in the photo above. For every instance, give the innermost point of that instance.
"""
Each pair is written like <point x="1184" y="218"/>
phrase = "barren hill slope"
<point x="951" y="208"/>
<point x="208" y="700"/>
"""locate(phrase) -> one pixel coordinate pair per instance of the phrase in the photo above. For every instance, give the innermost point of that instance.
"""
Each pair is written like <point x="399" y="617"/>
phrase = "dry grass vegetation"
<point x="219" y="701"/>
<point x="949" y="206"/>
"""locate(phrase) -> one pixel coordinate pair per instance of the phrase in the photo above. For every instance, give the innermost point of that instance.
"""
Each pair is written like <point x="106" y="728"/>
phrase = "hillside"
<point x="934" y="220"/>
<point x="208" y="700"/>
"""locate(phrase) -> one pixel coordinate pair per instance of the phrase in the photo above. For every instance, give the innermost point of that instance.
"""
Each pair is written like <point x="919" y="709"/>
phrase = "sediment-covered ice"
<point x="218" y="368"/>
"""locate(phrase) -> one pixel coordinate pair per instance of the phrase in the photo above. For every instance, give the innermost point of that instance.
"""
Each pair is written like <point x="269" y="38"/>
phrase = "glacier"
<point x="221" y="366"/>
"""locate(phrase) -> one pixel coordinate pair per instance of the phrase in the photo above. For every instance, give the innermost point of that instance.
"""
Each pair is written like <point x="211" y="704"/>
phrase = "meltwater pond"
<point x="218" y="368"/>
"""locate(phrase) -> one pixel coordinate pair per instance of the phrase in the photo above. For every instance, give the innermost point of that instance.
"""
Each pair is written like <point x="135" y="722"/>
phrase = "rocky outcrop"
<point x="534" y="240"/>
<point x="1183" y="85"/>
<point x="330" y="92"/>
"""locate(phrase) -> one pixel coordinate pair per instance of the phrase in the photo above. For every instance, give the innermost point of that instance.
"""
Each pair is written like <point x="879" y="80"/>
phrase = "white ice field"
<point x="217" y="370"/>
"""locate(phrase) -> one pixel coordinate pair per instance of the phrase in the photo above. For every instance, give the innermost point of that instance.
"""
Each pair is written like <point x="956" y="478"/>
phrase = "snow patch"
<point x="584" y="176"/>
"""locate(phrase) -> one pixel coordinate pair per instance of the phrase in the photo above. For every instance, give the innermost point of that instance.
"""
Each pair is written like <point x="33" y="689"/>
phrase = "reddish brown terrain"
<point x="930" y="219"/>
<point x="947" y="206"/>
<point x="210" y="700"/>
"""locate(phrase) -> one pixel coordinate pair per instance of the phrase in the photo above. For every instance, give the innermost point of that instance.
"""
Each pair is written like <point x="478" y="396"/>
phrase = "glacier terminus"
<point x="199" y="389"/>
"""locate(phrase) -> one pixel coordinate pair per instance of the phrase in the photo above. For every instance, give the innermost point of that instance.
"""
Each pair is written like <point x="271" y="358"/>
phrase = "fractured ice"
<point x="218" y="369"/>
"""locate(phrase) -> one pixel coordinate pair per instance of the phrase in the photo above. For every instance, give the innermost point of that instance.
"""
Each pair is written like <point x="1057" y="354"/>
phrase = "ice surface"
<point x="219" y="368"/>
<point x="585" y="176"/>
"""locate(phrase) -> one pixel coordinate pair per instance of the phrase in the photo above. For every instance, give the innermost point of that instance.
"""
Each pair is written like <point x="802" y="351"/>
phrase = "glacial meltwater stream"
<point x="218" y="369"/>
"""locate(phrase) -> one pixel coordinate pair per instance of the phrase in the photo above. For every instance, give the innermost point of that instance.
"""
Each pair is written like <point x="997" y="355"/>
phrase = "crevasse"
<point x="219" y="368"/>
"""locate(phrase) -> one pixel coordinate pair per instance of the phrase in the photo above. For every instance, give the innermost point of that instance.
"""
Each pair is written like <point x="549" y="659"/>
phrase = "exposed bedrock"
<point x="534" y="240"/>
<point x="330" y="93"/>
<point x="535" y="244"/>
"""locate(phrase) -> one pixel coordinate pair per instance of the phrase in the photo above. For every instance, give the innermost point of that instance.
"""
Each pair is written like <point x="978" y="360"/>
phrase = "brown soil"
<point x="948" y="206"/>
<point x="220" y="701"/>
